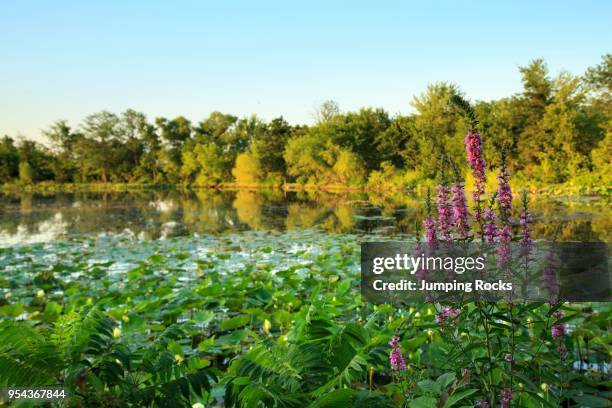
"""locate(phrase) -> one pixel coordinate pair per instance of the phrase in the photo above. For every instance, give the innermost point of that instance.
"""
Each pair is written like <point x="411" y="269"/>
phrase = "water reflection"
<point x="30" y="218"/>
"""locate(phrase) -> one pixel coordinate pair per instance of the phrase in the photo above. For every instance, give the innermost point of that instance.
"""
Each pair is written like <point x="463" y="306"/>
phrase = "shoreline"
<point x="552" y="190"/>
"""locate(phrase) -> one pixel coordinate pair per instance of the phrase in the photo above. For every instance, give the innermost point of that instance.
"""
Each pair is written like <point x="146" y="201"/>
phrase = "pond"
<point x="209" y="288"/>
<point x="32" y="218"/>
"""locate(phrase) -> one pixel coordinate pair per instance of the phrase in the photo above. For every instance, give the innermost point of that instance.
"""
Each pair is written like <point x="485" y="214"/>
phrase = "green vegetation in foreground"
<point x="556" y="135"/>
<point x="273" y="319"/>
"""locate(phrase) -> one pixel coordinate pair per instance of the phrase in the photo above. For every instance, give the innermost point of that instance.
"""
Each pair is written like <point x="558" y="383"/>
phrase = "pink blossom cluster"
<point x="460" y="211"/>
<point x="473" y="147"/>
<point x="396" y="359"/>
<point x="558" y="329"/>
<point x="504" y="192"/>
<point x="430" y="230"/>
<point x="505" y="397"/>
<point x="504" y="252"/>
<point x="444" y="212"/>
<point x="490" y="231"/>
<point x="524" y="221"/>
<point x="558" y="332"/>
<point x="447" y="314"/>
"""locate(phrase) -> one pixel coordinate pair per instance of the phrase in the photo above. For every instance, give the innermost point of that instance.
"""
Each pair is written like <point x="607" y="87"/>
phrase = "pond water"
<point x="30" y="218"/>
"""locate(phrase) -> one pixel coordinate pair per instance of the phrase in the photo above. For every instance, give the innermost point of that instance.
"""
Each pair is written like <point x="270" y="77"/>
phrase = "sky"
<point x="68" y="59"/>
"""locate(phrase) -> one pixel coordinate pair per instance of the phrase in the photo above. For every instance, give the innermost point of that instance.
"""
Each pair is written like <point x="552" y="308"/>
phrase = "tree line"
<point x="557" y="129"/>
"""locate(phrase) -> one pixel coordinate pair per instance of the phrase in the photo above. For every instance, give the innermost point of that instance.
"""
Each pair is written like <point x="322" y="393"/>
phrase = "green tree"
<point x="537" y="94"/>
<point x="35" y="161"/>
<point x="246" y="171"/>
<point x="100" y="153"/>
<point x="439" y="130"/>
<point x="217" y="128"/>
<point x="174" y="133"/>
<point x="205" y="165"/>
<point x="9" y="160"/>
<point x="268" y="149"/>
<point x="26" y="174"/>
<point x="358" y="132"/>
<point x="398" y="144"/>
<point x="63" y="141"/>
<point x="304" y="158"/>
<point x="349" y="168"/>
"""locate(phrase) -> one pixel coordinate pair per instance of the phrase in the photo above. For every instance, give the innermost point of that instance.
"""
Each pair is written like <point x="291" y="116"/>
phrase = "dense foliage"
<point x="270" y="317"/>
<point x="557" y="130"/>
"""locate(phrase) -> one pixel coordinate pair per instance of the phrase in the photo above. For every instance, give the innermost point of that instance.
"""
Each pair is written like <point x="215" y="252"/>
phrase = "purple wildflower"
<point x="430" y="230"/>
<point x="550" y="278"/>
<point x="505" y="397"/>
<point x="504" y="252"/>
<point x="505" y="235"/>
<point x="482" y="404"/>
<point x="508" y="357"/>
<point x="558" y="330"/>
<point x="446" y="314"/>
<point x="524" y="221"/>
<point x="460" y="211"/>
<point x="504" y="193"/>
<point x="490" y="228"/>
<point x="473" y="147"/>
<point x="396" y="359"/>
<point x="444" y="212"/>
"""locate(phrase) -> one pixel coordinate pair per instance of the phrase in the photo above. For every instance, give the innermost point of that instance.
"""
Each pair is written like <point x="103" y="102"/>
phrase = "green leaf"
<point x="445" y="380"/>
<point x="423" y="402"/>
<point x="592" y="401"/>
<point x="337" y="398"/>
<point x="458" y="396"/>
<point x="235" y="322"/>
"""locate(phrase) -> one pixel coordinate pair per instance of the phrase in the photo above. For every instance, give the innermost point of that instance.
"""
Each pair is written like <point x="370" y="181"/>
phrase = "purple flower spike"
<point x="505" y="397"/>
<point x="524" y="221"/>
<point x="490" y="231"/>
<point x="558" y="330"/>
<point x="504" y="193"/>
<point x="430" y="230"/>
<point x="444" y="212"/>
<point x="473" y="147"/>
<point x="446" y="314"/>
<point x="396" y="359"/>
<point x="460" y="211"/>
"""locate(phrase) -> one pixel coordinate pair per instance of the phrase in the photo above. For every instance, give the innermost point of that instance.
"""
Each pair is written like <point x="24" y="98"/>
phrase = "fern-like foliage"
<point x="329" y="358"/>
<point x="26" y="357"/>
<point x="79" y="352"/>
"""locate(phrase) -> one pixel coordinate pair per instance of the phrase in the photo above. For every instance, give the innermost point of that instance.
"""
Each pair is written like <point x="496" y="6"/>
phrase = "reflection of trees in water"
<point x="248" y="206"/>
<point x="209" y="211"/>
<point x="571" y="220"/>
<point x="167" y="213"/>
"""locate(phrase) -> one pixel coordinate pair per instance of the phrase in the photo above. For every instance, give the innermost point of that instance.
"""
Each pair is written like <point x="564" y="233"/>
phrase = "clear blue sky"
<point x="63" y="59"/>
